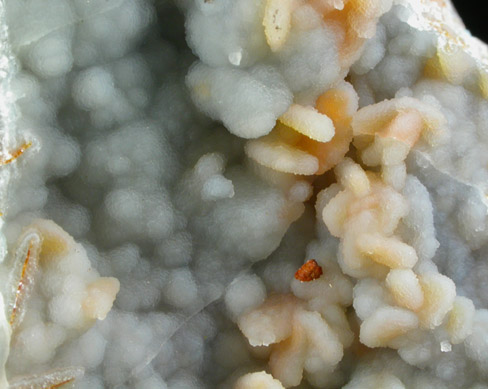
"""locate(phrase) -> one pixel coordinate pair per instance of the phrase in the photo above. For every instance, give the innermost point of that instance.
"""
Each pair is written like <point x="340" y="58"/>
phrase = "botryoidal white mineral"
<point x="242" y="194"/>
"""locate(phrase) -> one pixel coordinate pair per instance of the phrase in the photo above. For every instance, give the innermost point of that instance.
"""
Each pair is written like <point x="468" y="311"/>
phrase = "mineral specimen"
<point x="169" y="168"/>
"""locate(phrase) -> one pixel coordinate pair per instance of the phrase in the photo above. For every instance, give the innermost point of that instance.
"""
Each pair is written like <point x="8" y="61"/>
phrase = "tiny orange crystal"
<point x="309" y="271"/>
<point x="16" y="154"/>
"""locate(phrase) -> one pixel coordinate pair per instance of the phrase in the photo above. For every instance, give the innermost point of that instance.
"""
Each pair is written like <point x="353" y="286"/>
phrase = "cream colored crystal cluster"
<point x="75" y="293"/>
<point x="400" y="298"/>
<point x="307" y="330"/>
<point x="410" y="295"/>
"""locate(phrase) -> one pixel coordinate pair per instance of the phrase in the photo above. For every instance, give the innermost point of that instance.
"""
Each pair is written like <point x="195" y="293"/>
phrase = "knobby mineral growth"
<point x="242" y="194"/>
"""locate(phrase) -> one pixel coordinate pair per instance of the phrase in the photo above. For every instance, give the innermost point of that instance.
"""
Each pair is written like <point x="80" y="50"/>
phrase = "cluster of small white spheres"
<point x="123" y="162"/>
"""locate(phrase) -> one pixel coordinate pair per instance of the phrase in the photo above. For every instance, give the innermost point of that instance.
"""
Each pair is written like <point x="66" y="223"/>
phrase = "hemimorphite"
<point x="373" y="112"/>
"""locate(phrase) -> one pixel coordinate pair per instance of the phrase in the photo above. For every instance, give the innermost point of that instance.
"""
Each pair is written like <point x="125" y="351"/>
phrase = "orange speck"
<point x="61" y="383"/>
<point x="441" y="3"/>
<point x="309" y="271"/>
<point x="21" y="286"/>
<point x="16" y="154"/>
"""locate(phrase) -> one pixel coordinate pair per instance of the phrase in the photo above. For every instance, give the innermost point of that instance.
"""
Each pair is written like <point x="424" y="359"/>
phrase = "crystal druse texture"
<point x="242" y="194"/>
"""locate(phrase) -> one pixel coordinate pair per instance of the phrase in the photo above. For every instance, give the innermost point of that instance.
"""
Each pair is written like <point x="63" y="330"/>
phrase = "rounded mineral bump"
<point x="181" y="289"/>
<point x="93" y="88"/>
<point x="243" y="294"/>
<point x="51" y="57"/>
<point x="260" y="380"/>
<point x="92" y="348"/>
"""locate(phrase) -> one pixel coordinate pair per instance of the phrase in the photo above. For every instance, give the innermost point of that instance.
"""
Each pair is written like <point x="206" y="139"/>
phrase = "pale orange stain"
<point x="16" y="154"/>
<point x="21" y="285"/>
